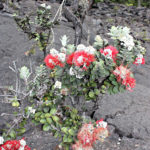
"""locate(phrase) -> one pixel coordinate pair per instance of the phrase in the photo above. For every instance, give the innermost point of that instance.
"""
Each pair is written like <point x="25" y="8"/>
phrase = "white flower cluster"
<point x="57" y="85"/>
<point x="31" y="110"/>
<point x="73" y="72"/>
<point x="128" y="42"/>
<point x="139" y="59"/>
<point x="61" y="56"/>
<point x="22" y="144"/>
<point x="1" y="140"/>
<point x="122" y="34"/>
<point x="102" y="124"/>
<point x="48" y="7"/>
<point x="88" y="49"/>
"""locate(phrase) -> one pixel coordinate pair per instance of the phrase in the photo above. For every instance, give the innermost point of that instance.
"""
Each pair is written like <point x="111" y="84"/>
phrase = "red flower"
<point x="85" y="135"/>
<point x="98" y="121"/>
<point x="52" y="61"/>
<point x="70" y="59"/>
<point x="100" y="133"/>
<point x="139" y="60"/>
<point x="13" y="145"/>
<point x="129" y="82"/>
<point x="109" y="52"/>
<point x="81" y="59"/>
<point x="123" y="75"/>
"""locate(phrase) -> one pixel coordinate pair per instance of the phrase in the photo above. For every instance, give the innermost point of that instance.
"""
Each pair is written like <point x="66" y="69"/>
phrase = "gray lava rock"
<point x="128" y="112"/>
<point x="1" y="6"/>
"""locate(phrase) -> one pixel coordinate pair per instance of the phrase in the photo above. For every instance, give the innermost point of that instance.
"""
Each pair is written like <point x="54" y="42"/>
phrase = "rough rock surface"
<point x="127" y="113"/>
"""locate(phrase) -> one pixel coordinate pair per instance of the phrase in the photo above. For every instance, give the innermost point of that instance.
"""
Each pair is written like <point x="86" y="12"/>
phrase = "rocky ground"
<point x="127" y="113"/>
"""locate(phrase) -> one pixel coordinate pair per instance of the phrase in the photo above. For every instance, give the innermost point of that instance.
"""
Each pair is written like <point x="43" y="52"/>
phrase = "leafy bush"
<point x="73" y="72"/>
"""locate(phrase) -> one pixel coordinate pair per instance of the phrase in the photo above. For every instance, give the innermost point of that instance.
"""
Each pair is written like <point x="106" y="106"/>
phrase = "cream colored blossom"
<point x="57" y="85"/>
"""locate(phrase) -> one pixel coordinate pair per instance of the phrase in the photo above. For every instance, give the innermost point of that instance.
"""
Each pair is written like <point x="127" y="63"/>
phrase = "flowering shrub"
<point x="14" y="145"/>
<point x="73" y="72"/>
<point x="97" y="67"/>
<point x="88" y="134"/>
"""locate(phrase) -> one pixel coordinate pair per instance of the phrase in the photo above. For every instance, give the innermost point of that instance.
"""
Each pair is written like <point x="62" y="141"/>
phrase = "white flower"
<point x="62" y="57"/>
<point x="102" y="124"/>
<point x="57" y="85"/>
<point x="63" y="50"/>
<point x="46" y="7"/>
<point x="139" y="59"/>
<point x="90" y="50"/>
<point x="80" y="59"/>
<point x="140" y="56"/>
<point x="122" y="34"/>
<point x="72" y="71"/>
<point x="81" y="47"/>
<point x="54" y="52"/>
<point x="128" y="41"/>
<point x="43" y="5"/>
<point x="50" y="61"/>
<point x="79" y="76"/>
<point x="108" y="53"/>
<point x="31" y="110"/>
<point x="22" y="142"/>
<point x="1" y="140"/>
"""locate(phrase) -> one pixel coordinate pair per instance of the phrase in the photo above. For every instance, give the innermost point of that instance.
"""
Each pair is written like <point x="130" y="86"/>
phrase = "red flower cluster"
<point x="139" y="60"/>
<point x="14" y="145"/>
<point x="109" y="52"/>
<point x="129" y="82"/>
<point x="52" y="61"/>
<point x="80" y="59"/>
<point x="85" y="135"/>
<point x="88" y="135"/>
<point x="123" y="75"/>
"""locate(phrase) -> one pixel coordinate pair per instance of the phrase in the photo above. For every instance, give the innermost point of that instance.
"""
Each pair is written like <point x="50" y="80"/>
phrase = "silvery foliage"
<point x="64" y="40"/>
<point x="99" y="42"/>
<point x="39" y="84"/>
<point x="119" y="32"/>
<point x="24" y="73"/>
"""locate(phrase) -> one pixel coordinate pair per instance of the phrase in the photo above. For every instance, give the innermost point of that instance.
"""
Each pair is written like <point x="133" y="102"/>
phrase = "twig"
<point x="59" y="11"/>
<point x="14" y="124"/>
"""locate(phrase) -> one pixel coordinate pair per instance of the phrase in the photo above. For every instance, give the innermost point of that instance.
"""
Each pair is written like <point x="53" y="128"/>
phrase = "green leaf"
<point x="65" y="139"/>
<point x="21" y="130"/>
<point x="56" y="134"/>
<point x="47" y="115"/>
<point x="114" y="82"/>
<point x="49" y="120"/>
<point x="46" y="109"/>
<point x="12" y="134"/>
<point x="121" y="89"/>
<point x="96" y="91"/>
<point x="64" y="129"/>
<point x="55" y="118"/>
<point x="43" y="121"/>
<point x="91" y="94"/>
<point x="110" y="90"/>
<point x="53" y="111"/>
<point x="71" y="132"/>
<point x="115" y="89"/>
<point x="46" y="127"/>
